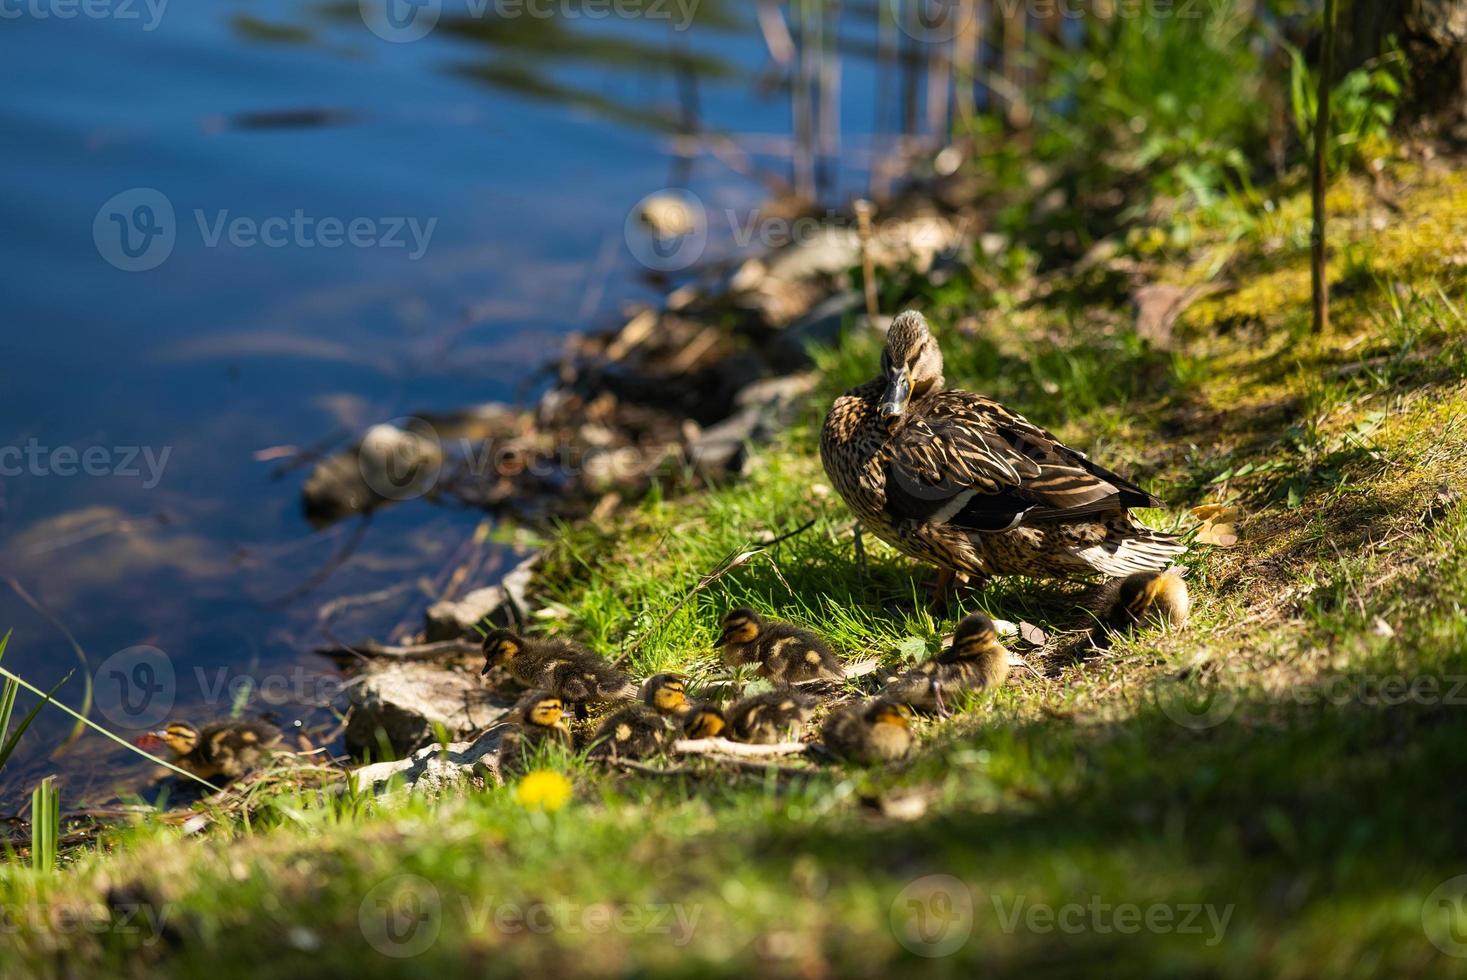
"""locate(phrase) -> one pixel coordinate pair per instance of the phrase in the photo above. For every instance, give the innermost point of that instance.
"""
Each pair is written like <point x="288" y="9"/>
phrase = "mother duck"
<point x="957" y="480"/>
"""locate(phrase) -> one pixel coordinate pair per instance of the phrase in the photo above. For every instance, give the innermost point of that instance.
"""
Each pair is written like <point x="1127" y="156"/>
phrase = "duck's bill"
<point x="724" y="638"/>
<point x="898" y="393"/>
<point x="487" y="667"/>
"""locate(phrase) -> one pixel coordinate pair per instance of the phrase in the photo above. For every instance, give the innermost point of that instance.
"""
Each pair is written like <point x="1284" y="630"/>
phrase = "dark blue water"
<point x="134" y="405"/>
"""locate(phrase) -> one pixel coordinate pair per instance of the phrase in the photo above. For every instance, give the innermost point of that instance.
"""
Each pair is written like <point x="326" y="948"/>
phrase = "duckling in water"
<point x="539" y="718"/>
<point x="785" y="653"/>
<point x="224" y="750"/>
<point x="1146" y="600"/>
<point x="640" y="730"/>
<point x="567" y="669"/>
<point x="974" y="661"/>
<point x="867" y="732"/>
<point x="704" y="720"/>
<point x="770" y="718"/>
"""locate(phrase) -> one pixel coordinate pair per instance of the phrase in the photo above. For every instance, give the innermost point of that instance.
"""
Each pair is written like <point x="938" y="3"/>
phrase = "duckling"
<point x="771" y="717"/>
<point x="565" y="668"/>
<point x="867" y="732"/>
<point x="704" y="720"/>
<point x="539" y="718"/>
<point x="974" y="661"/>
<point x="1146" y="600"/>
<point x="640" y="730"/>
<point x="224" y="750"/>
<point x="785" y="653"/>
<point x="957" y="480"/>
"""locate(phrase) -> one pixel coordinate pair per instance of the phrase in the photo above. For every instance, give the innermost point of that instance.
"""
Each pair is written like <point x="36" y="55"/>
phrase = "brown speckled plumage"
<point x="959" y="481"/>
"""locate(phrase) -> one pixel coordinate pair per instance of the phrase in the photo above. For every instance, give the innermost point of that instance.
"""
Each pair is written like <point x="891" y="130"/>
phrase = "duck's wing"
<point x="969" y="462"/>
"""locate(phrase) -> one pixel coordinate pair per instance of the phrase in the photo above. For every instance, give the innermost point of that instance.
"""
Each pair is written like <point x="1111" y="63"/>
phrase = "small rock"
<point x="433" y="770"/>
<point x="450" y="619"/>
<point x="408" y="702"/>
<point x="764" y="408"/>
<point x="504" y="604"/>
<point x="821" y="327"/>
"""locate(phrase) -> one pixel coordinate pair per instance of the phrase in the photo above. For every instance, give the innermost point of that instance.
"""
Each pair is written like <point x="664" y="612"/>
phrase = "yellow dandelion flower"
<point x="543" y="790"/>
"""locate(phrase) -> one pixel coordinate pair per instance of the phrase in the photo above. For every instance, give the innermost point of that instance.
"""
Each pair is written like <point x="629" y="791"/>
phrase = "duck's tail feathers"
<point x="1140" y="550"/>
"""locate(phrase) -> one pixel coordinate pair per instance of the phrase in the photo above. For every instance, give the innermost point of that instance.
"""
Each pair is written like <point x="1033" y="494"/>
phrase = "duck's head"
<point x="180" y="737"/>
<point x="666" y="693"/>
<point x="704" y="721"/>
<point x="911" y="363"/>
<point x="541" y="709"/>
<point x="883" y="712"/>
<point x="975" y="633"/>
<point x="500" y="647"/>
<point x="740" y="626"/>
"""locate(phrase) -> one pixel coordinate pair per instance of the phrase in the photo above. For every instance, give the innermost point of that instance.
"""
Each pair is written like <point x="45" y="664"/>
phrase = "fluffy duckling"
<point x="1146" y="600"/>
<point x="224" y="750"/>
<point x="704" y="720"/>
<point x="867" y="732"/>
<point x="565" y="668"/>
<point x="539" y="718"/>
<point x="974" y="661"/>
<point x="785" y="653"/>
<point x="640" y="730"/>
<point x="769" y="718"/>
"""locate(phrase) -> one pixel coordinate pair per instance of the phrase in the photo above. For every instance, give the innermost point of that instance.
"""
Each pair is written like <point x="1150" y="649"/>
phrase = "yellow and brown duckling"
<point x="221" y="751"/>
<point x="785" y="653"/>
<point x="643" y="729"/>
<point x="1146" y="600"/>
<point x="867" y="732"/>
<point x="570" y="671"/>
<point x="539" y="720"/>
<point x="704" y="720"/>
<point x="974" y="661"/>
<point x="957" y="480"/>
<point x="769" y="718"/>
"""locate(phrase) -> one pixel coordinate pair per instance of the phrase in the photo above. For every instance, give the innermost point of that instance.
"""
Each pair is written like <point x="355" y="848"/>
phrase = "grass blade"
<point x="9" y="745"/>
<point x="114" y="737"/>
<point x="45" y="824"/>
<point x="7" y="697"/>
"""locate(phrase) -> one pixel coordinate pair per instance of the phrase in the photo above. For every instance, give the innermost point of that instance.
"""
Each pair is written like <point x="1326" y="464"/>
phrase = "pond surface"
<point x="232" y="229"/>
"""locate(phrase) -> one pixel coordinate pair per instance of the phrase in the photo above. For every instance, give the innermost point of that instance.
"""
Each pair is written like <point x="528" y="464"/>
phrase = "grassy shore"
<point x="1276" y="790"/>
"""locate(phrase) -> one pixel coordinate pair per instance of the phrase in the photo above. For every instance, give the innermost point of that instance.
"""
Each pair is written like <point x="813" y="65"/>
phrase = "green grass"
<point x="1264" y="792"/>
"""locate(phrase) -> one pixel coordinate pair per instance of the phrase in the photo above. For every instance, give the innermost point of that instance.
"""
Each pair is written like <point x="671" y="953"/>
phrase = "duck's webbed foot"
<point x="945" y="589"/>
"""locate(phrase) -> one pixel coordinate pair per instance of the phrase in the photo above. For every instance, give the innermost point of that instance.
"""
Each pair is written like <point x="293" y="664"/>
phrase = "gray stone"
<point x="821" y="327"/>
<point x="504" y="604"/>
<point x="435" y="770"/>
<point x="409" y="702"/>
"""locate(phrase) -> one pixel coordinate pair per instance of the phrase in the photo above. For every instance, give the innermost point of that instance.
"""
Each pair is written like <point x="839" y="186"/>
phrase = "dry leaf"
<point x="1218" y="535"/>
